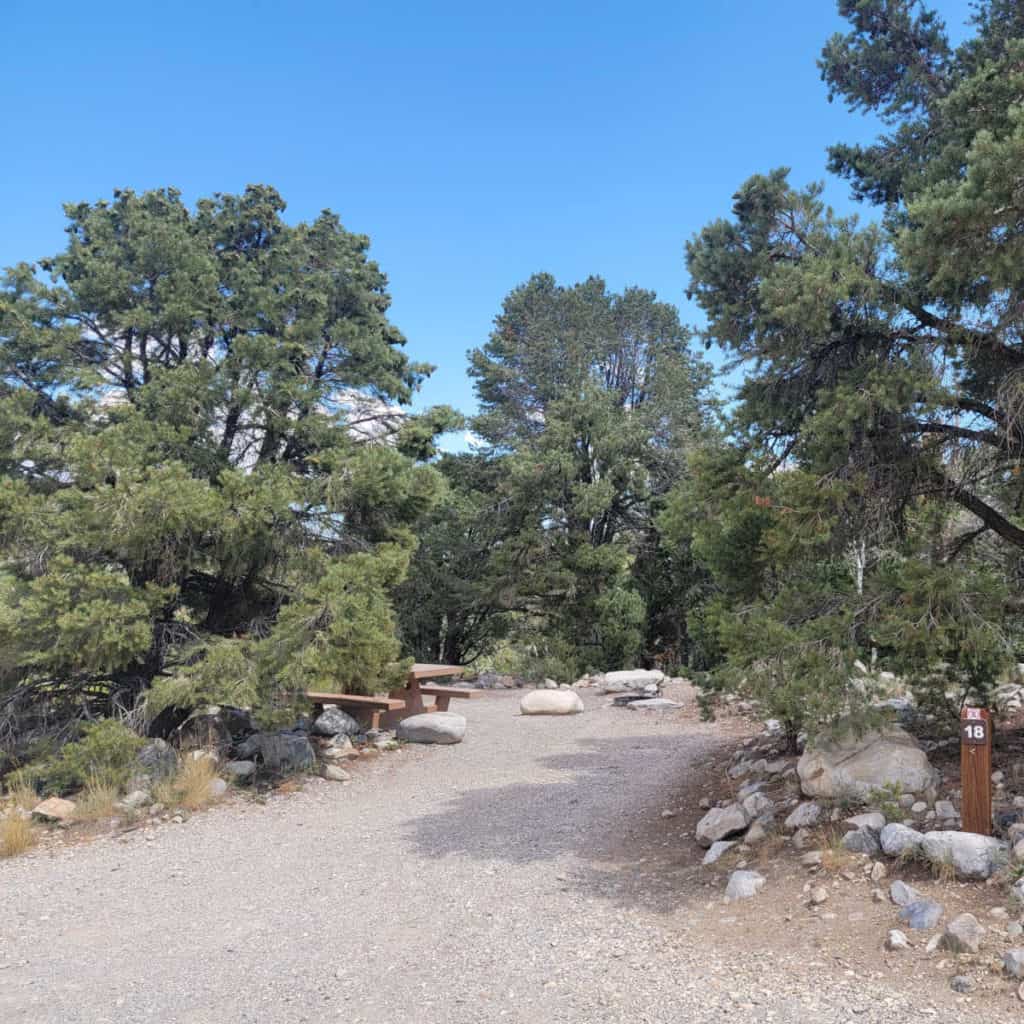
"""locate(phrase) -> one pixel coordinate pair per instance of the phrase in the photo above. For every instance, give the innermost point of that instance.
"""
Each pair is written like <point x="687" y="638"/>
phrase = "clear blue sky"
<point x="475" y="143"/>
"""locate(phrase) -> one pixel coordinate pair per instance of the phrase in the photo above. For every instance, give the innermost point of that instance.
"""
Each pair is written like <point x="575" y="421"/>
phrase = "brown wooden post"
<point x="976" y="770"/>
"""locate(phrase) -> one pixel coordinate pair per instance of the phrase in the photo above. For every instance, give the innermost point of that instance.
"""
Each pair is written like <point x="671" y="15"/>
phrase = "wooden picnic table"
<point x="385" y="712"/>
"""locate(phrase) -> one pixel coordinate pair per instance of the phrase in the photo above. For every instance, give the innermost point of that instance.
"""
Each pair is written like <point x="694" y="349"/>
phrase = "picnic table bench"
<point x="387" y="711"/>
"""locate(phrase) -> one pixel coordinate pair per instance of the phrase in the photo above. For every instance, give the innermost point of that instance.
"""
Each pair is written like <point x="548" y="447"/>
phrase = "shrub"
<point x="104" y="755"/>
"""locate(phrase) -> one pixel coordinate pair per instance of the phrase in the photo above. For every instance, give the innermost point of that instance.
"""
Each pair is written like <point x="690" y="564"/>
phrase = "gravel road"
<point x="526" y="875"/>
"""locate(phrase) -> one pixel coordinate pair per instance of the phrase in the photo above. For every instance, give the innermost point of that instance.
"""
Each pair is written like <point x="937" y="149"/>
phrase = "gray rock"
<point x="898" y="840"/>
<point x="721" y="823"/>
<point x="744" y="885"/>
<point x="549" y="702"/>
<point x="812" y="859"/>
<point x="333" y="721"/>
<point x="918" y="807"/>
<point x="653" y="704"/>
<point x="757" y="833"/>
<point x="279" y="751"/>
<point x="136" y="799"/>
<point x="335" y="774"/>
<point x="961" y="983"/>
<point x="1017" y="890"/>
<point x="157" y="760"/>
<point x="873" y="821"/>
<point x="442" y="726"/>
<point x="716" y="850"/>
<point x="806" y="815"/>
<point x="971" y="855"/>
<point x="945" y="810"/>
<point x="862" y="840"/>
<point x="860" y="764"/>
<point x="921" y="914"/>
<point x="629" y="679"/>
<point x="963" y="934"/>
<point x="902" y="894"/>
<point x="218" y="787"/>
<point x="818" y="895"/>
<point x="757" y="804"/>
<point x="1013" y="962"/>
<point x="897" y="941"/>
<point x="240" y="769"/>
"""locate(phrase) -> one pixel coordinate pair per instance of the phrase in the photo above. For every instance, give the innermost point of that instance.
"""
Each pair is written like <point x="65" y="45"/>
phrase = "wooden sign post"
<point x="976" y="770"/>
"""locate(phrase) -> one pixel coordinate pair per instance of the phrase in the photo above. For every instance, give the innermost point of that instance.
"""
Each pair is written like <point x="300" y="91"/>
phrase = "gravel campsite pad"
<point x="543" y="870"/>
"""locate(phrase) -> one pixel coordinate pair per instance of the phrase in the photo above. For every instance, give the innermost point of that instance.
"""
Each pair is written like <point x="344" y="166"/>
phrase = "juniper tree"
<point x="189" y="500"/>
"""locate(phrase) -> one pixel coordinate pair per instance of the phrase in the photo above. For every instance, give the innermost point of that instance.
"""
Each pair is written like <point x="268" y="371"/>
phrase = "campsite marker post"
<point x="976" y="770"/>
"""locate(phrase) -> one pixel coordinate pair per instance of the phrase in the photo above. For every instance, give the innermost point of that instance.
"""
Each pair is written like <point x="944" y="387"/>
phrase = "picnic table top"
<point x="424" y="671"/>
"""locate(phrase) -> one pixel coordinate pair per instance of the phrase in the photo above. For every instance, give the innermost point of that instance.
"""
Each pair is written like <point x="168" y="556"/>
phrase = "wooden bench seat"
<point x="443" y="694"/>
<point x="366" y="703"/>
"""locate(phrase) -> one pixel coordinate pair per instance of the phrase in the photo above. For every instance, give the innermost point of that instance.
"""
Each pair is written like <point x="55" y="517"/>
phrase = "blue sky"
<point x="475" y="143"/>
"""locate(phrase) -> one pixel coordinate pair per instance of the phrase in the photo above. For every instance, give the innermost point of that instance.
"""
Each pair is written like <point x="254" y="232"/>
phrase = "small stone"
<point x="757" y="833"/>
<point x="963" y="934"/>
<point x="818" y="895"/>
<point x="333" y="773"/>
<point x="921" y="914"/>
<point x="240" y="769"/>
<point x="716" y="851"/>
<point x="919" y="807"/>
<point x="1013" y="962"/>
<point x="812" y="859"/>
<point x="933" y="943"/>
<point x="896" y="941"/>
<point x="1015" y="929"/>
<point x="878" y="871"/>
<point x="744" y="885"/>
<point x="806" y="815"/>
<point x="721" y="823"/>
<point x="945" y="810"/>
<point x="961" y="983"/>
<point x="218" y="787"/>
<point x="998" y="777"/>
<point x="668" y="814"/>
<point x="862" y="840"/>
<point x="136" y="800"/>
<point x="999" y="913"/>
<point x="705" y="804"/>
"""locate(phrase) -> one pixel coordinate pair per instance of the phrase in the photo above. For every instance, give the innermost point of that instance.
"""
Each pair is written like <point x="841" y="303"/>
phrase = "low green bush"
<point x="104" y="754"/>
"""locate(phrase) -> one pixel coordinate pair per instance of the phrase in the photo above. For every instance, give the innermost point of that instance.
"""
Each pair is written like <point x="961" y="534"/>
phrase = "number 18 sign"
<point x="974" y="727"/>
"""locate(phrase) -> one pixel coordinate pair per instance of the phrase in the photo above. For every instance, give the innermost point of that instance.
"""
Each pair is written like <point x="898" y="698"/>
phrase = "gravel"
<point x="525" y="875"/>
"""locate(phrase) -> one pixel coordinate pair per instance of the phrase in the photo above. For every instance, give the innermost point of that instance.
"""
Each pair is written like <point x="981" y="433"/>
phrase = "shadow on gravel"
<point x="608" y="817"/>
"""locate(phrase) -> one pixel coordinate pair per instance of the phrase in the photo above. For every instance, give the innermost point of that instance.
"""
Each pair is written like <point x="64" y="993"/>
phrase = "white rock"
<point x="757" y="804"/>
<point x="902" y="894"/>
<point x="744" y="885"/>
<point x="872" y="820"/>
<point x="806" y="815"/>
<point x="335" y="774"/>
<point x="859" y="765"/>
<point x="445" y="726"/>
<point x="629" y="679"/>
<point x="897" y="940"/>
<point x="218" y="787"/>
<point x="717" y="849"/>
<point x="721" y="823"/>
<point x="971" y="855"/>
<point x="945" y="810"/>
<point x="54" y="809"/>
<point x="898" y="840"/>
<point x="963" y="934"/>
<point x="1013" y="962"/>
<point x="549" y="702"/>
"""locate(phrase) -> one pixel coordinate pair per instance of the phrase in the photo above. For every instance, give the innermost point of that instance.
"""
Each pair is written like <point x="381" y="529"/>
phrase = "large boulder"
<point x="857" y="765"/>
<point x="433" y="727"/>
<point x="637" y="679"/>
<point x="551" y="702"/>
<point x="721" y="823"/>
<point x="55" y="809"/>
<point x="862" y="840"/>
<point x="971" y="855"/>
<point x="805" y="815"/>
<point x="279" y="751"/>
<point x="332" y="721"/>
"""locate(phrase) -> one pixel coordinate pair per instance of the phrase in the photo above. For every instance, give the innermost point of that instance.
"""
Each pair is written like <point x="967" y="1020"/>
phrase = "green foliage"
<point x="105" y="754"/>
<point x="869" y="503"/>
<point x="208" y="483"/>
<point x="590" y="403"/>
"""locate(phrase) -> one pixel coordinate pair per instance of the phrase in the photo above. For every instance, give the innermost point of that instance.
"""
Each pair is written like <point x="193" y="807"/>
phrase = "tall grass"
<point x="190" y="787"/>
<point x="98" y="800"/>
<point x="17" y="835"/>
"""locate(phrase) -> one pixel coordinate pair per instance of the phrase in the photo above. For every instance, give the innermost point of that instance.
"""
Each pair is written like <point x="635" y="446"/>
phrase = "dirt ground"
<point x="528" y="874"/>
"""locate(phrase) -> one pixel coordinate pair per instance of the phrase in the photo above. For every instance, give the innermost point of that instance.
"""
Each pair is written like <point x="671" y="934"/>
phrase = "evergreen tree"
<point x="208" y="485"/>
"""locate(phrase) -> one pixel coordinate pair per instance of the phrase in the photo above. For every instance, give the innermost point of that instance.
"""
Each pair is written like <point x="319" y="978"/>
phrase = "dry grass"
<point x="834" y="856"/>
<point x="97" y="801"/>
<point x="23" y="796"/>
<point x="943" y="870"/>
<point x="17" y="835"/>
<point x="770" y="849"/>
<point x="190" y="787"/>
